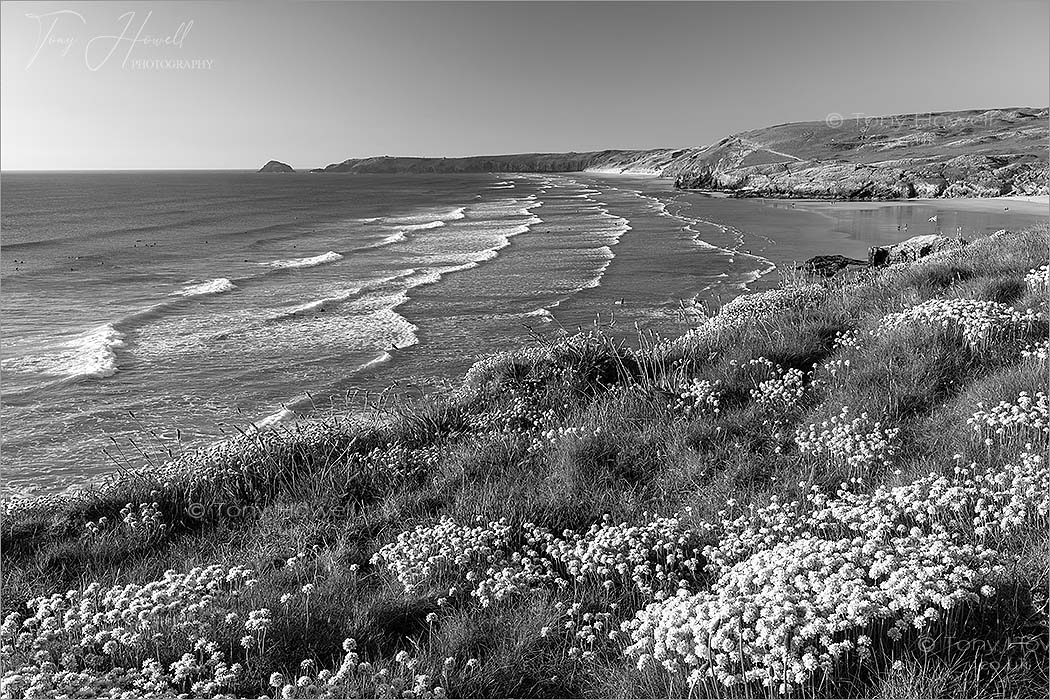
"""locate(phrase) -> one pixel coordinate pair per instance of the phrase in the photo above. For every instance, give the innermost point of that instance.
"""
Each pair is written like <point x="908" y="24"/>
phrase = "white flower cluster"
<point x="143" y="520"/>
<point x="588" y="632"/>
<point x="858" y="444"/>
<point x="782" y="391"/>
<point x="520" y="412"/>
<point x="1038" y="279"/>
<point x="699" y="397"/>
<point x="356" y="677"/>
<point x="480" y="559"/>
<point x="1037" y="352"/>
<point x="104" y="642"/>
<point x="980" y="322"/>
<point x="1007" y="418"/>
<point x="477" y="559"/>
<point x="798" y="585"/>
<point x="755" y="529"/>
<point x="783" y="613"/>
<point x="847" y="340"/>
<point x="146" y="517"/>
<point x="845" y="345"/>
<point x="555" y="435"/>
<point x="973" y="503"/>
<point x="836" y="368"/>
<point x="659" y="555"/>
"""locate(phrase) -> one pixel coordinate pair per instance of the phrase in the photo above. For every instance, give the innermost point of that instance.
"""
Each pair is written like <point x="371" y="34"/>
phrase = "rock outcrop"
<point x="276" y="166"/>
<point x="830" y="265"/>
<point x="912" y="249"/>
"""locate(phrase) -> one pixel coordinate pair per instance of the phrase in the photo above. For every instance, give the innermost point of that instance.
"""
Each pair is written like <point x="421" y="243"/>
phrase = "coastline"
<point x="1023" y="203"/>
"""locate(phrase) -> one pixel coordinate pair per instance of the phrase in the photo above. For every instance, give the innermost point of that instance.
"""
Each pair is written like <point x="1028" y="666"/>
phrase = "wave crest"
<point x="216" y="286"/>
<point x="293" y="263"/>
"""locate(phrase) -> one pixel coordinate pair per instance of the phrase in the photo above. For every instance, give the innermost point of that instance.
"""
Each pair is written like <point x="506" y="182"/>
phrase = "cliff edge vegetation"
<point x="837" y="488"/>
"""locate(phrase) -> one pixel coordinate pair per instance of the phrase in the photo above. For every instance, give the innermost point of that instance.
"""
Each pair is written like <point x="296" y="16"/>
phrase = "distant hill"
<point x="975" y="153"/>
<point x="519" y="162"/>
<point x="275" y="166"/>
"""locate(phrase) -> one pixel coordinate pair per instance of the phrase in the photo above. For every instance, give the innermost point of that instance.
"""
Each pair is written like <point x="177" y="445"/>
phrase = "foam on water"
<point x="543" y="313"/>
<point x="428" y="217"/>
<point x="96" y="353"/>
<point x="293" y="263"/>
<point x="91" y="355"/>
<point x="611" y="233"/>
<point x="405" y="225"/>
<point x="216" y="286"/>
<point x="318" y="305"/>
<point x="422" y="227"/>
<point x="273" y="419"/>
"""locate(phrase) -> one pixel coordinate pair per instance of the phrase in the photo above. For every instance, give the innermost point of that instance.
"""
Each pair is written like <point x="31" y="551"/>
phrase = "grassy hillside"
<point x="976" y="153"/>
<point x="830" y="489"/>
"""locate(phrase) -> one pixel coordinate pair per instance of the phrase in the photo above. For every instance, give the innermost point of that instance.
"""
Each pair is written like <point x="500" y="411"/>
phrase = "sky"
<point x="217" y="85"/>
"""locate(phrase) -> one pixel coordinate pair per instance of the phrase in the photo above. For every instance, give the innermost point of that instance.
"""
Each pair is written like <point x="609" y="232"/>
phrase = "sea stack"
<point x="275" y="166"/>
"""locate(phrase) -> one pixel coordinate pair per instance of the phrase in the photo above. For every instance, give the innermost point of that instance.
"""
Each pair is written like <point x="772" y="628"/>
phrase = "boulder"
<point x="829" y="265"/>
<point x="912" y="249"/>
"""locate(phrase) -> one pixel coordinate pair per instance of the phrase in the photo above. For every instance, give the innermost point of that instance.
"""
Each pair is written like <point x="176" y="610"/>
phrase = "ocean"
<point x="143" y="312"/>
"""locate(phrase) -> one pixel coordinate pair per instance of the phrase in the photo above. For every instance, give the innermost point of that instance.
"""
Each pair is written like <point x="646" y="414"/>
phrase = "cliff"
<point x="519" y="162"/>
<point x="949" y="154"/>
<point x="275" y="166"/>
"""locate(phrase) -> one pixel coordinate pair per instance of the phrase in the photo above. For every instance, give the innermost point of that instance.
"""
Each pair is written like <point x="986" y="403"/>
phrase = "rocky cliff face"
<point x="275" y="166"/>
<point x="952" y="154"/>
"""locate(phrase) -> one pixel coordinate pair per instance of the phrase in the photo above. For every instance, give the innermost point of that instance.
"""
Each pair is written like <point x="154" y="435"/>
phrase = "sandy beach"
<point x="1026" y="204"/>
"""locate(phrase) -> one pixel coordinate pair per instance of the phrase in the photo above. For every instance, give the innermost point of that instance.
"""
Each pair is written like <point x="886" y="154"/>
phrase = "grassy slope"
<point x="952" y="154"/>
<point x="333" y="494"/>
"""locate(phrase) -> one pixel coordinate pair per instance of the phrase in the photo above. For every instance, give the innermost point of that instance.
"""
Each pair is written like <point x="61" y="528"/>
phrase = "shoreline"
<point x="1033" y="204"/>
<point x="1029" y="202"/>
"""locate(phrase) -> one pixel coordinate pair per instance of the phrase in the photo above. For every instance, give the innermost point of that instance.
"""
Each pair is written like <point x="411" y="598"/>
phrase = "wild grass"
<point x="585" y="481"/>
